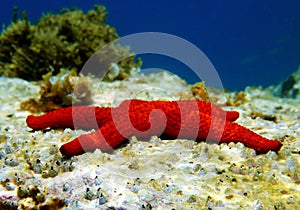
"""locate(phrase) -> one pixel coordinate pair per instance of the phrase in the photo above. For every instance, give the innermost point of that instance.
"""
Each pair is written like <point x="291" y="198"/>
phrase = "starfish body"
<point x="190" y="119"/>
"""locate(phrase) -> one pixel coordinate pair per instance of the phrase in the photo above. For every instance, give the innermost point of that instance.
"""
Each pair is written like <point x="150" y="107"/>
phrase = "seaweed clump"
<point x="269" y="117"/>
<point x="63" y="40"/>
<point x="200" y="92"/>
<point x="64" y="89"/>
<point x="238" y="99"/>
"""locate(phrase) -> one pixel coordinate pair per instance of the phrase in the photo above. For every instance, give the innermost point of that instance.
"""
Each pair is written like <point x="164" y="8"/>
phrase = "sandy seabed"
<point x="154" y="174"/>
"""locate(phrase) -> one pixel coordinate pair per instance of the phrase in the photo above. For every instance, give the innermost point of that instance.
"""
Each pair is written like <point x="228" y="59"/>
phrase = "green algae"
<point x="63" y="40"/>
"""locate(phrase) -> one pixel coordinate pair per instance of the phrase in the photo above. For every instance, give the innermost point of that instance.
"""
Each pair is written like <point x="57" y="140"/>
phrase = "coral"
<point x="64" y="40"/>
<point x="62" y="90"/>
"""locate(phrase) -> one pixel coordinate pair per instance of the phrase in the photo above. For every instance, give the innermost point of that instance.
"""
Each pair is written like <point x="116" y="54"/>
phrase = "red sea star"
<point x="190" y="119"/>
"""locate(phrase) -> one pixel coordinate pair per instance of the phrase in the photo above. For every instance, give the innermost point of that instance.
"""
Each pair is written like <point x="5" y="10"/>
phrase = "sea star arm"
<point x="90" y="117"/>
<point x="237" y="133"/>
<point x="204" y="107"/>
<point x="108" y="137"/>
<point x="105" y="139"/>
<point x="85" y="117"/>
<point x="113" y="133"/>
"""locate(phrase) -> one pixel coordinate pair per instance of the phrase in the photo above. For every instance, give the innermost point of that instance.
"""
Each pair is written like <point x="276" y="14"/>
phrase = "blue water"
<point x="250" y="42"/>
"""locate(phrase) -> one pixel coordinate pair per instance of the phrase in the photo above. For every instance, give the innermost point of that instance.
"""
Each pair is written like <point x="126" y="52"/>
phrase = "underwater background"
<point x="56" y="126"/>
<point x="249" y="42"/>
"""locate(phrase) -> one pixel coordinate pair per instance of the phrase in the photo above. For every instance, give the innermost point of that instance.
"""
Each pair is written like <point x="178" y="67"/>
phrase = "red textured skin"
<point x="90" y="117"/>
<point x="178" y="119"/>
<point x="85" y="117"/>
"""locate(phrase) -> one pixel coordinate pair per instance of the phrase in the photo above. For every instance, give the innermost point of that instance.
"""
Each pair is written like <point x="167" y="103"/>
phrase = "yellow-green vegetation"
<point x="238" y="99"/>
<point x="270" y="117"/>
<point x="64" y="89"/>
<point x="64" y="40"/>
<point x="200" y="92"/>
